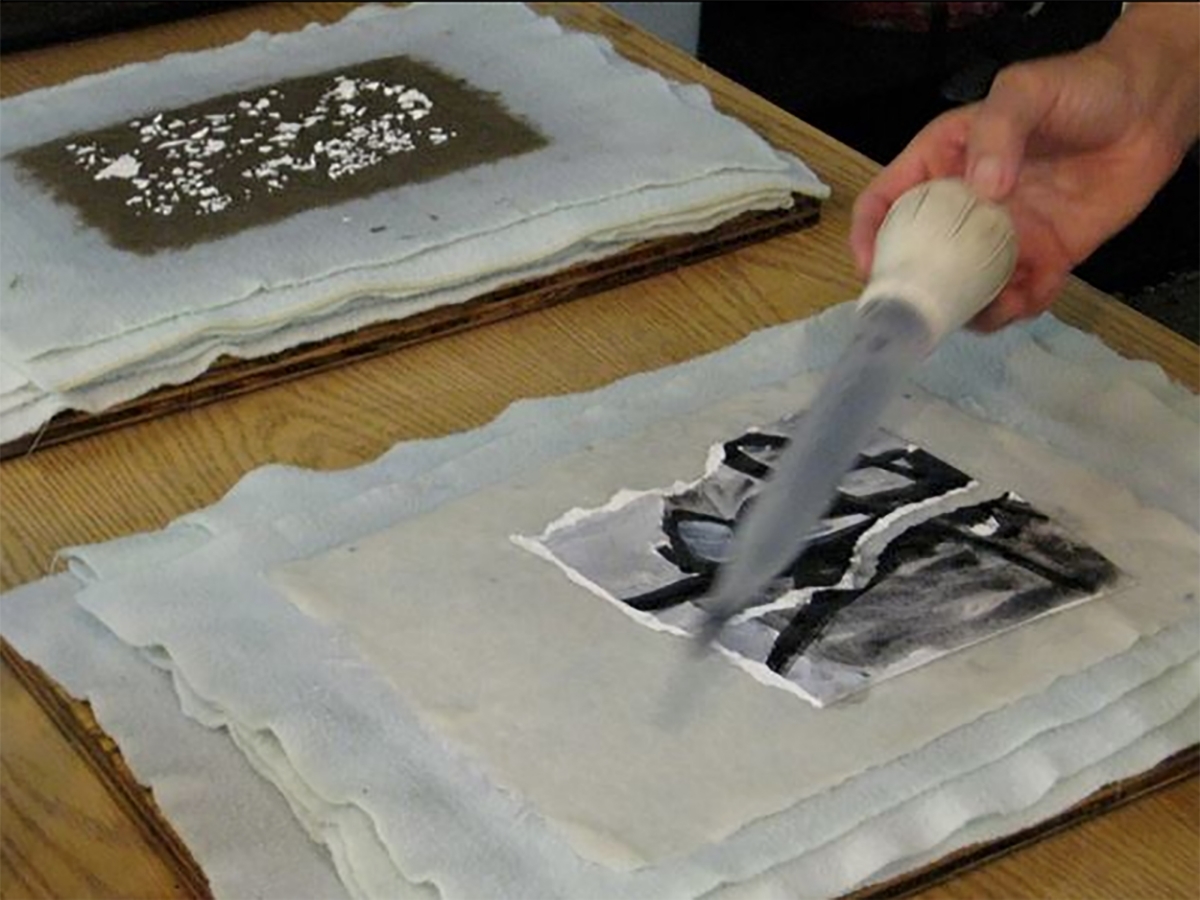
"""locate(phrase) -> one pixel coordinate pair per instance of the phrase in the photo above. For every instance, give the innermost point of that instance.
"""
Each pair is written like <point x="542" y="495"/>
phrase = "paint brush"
<point x="942" y="254"/>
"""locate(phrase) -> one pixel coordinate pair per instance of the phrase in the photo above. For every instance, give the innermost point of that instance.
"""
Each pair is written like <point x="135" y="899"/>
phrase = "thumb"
<point x="1017" y="103"/>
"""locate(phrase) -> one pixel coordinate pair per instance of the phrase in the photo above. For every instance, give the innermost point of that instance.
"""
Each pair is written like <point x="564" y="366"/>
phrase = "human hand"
<point x="1074" y="146"/>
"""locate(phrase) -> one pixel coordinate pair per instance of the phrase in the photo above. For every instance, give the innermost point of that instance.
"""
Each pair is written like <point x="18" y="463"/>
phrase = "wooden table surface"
<point x="64" y="834"/>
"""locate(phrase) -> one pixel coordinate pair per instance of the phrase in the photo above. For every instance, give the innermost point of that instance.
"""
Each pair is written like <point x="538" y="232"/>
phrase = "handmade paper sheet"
<point x="236" y="824"/>
<point x="184" y="176"/>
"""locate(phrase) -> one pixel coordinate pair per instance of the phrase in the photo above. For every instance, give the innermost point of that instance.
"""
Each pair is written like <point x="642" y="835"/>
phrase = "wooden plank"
<point x="229" y="377"/>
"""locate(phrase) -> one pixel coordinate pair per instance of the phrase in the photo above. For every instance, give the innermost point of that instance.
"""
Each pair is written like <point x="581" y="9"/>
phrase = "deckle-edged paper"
<point x="291" y="187"/>
<point x="196" y="590"/>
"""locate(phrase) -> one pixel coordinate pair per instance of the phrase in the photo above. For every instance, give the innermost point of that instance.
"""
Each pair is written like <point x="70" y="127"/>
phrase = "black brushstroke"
<point x="827" y="556"/>
<point x="672" y="594"/>
<point x="929" y="571"/>
<point x="1068" y="569"/>
<point x="737" y="453"/>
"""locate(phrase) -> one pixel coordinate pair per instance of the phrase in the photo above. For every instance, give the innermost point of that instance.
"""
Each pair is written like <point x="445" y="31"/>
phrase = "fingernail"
<point x="987" y="178"/>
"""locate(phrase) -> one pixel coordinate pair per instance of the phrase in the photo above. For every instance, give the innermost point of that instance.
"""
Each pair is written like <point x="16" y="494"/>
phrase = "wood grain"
<point x="101" y="757"/>
<point x="66" y="831"/>
<point x="72" y="841"/>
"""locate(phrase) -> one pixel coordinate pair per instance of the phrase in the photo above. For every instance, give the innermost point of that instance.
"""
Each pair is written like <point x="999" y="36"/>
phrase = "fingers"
<point x="937" y="151"/>
<point x="869" y="212"/>
<point x="1030" y="293"/>
<point x="986" y="144"/>
<point x="1003" y="311"/>
<point x="1020" y="98"/>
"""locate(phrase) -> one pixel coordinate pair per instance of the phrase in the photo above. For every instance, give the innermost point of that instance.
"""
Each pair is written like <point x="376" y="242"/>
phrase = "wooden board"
<point x="229" y="377"/>
<point x="75" y="720"/>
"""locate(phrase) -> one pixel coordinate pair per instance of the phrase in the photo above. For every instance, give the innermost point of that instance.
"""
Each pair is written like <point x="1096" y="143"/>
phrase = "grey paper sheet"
<point x="916" y="559"/>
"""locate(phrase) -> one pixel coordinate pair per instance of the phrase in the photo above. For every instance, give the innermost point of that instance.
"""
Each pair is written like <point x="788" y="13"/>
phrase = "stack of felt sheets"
<point x="374" y="683"/>
<point x="288" y="188"/>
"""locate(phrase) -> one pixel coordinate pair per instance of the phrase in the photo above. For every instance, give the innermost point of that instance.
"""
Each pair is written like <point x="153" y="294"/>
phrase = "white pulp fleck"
<point x="366" y="139"/>
<point x="346" y="88"/>
<point x="124" y="166"/>
<point x="986" y="529"/>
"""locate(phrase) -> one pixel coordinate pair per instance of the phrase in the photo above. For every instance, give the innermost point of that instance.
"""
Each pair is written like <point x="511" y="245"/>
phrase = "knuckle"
<point x="1019" y="78"/>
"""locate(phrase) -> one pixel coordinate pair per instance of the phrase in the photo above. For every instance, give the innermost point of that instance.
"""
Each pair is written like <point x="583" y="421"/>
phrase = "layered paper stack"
<point x="251" y="198"/>
<point x="364" y="683"/>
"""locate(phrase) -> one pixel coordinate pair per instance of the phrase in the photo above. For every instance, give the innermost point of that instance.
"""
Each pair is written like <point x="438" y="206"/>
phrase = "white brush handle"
<point x="943" y="250"/>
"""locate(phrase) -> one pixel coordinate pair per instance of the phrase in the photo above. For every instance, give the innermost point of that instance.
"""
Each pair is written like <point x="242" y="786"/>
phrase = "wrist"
<point x="1157" y="46"/>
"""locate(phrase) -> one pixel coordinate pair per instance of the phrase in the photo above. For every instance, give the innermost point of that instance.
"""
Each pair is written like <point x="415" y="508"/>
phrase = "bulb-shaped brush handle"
<point x="943" y="250"/>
